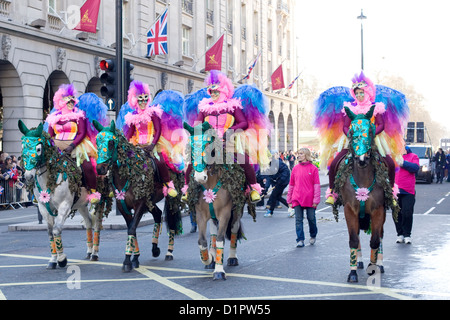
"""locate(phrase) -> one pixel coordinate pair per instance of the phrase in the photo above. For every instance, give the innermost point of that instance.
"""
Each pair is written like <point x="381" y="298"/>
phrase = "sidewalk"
<point x="113" y="222"/>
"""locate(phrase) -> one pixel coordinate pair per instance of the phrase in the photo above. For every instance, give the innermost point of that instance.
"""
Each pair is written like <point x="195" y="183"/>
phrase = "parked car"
<point x="427" y="167"/>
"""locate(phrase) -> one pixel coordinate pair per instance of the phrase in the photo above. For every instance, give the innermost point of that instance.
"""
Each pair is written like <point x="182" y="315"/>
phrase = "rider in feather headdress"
<point x="390" y="115"/>
<point x="144" y="127"/>
<point x="70" y="126"/>
<point x="243" y="112"/>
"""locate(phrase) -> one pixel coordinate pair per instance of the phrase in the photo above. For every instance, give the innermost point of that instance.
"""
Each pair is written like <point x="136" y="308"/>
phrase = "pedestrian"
<point x="281" y="179"/>
<point x="304" y="195"/>
<point x="291" y="159"/>
<point x="447" y="167"/>
<point x="193" y="222"/>
<point x="405" y="178"/>
<point x="440" y="165"/>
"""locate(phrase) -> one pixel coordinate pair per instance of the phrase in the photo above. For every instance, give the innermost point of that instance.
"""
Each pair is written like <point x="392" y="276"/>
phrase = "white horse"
<point x="43" y="164"/>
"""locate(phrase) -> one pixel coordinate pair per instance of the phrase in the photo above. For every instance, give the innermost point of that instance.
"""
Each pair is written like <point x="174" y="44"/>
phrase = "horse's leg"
<point x="97" y="224"/>
<point x="352" y="219"/>
<point x="83" y="210"/>
<point x="360" y="263"/>
<point x="52" y="262"/>
<point x="169" y="254"/>
<point x="132" y="247"/>
<point x="377" y="217"/>
<point x="157" y="213"/>
<point x="63" y="212"/>
<point x="232" y="258"/>
<point x="173" y="219"/>
<point x="212" y="243"/>
<point x="205" y="255"/>
<point x="219" y="272"/>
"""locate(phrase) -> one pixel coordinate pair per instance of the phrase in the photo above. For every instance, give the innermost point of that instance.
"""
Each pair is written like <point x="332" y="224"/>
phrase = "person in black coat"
<point x="281" y="179"/>
<point x="440" y="165"/>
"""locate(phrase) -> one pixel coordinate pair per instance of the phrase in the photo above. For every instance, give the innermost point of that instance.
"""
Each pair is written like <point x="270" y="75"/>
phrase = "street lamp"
<point x="362" y="17"/>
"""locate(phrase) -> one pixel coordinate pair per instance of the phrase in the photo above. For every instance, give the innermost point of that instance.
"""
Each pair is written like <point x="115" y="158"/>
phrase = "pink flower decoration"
<point x="120" y="195"/>
<point x="185" y="189"/>
<point x="209" y="196"/>
<point x="44" y="197"/>
<point x="362" y="194"/>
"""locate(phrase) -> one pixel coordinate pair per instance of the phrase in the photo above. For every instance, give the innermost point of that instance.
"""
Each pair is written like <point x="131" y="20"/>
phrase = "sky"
<point x="410" y="39"/>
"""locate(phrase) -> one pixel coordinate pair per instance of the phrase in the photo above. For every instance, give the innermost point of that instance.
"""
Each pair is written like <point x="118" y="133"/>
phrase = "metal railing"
<point x="13" y="194"/>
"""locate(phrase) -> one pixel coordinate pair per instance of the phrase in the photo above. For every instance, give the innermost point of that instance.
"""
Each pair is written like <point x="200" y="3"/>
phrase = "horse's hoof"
<point x="219" y="276"/>
<point x="63" y="263"/>
<point x="168" y="257"/>
<point x="51" y="265"/>
<point x="94" y="257"/>
<point x="360" y="265"/>
<point x="135" y="264"/>
<point x="156" y="252"/>
<point x="212" y="265"/>
<point x="88" y="256"/>
<point x="352" y="277"/>
<point x="233" y="262"/>
<point x="374" y="268"/>
<point x="126" y="268"/>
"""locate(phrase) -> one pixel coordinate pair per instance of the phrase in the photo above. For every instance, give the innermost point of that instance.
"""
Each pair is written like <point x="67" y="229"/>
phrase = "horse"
<point x="364" y="189"/>
<point x="137" y="190"/>
<point x="56" y="183"/>
<point x="216" y="195"/>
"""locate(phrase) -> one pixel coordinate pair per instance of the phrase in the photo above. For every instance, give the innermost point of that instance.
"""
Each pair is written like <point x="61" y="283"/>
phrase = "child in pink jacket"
<point x="304" y="194"/>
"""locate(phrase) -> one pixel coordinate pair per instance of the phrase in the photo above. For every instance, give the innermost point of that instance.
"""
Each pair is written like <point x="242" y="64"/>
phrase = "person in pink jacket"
<point x="405" y="178"/>
<point x="304" y="194"/>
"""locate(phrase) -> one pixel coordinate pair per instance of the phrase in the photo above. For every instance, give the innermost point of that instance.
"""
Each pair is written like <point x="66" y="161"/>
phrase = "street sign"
<point x="111" y="104"/>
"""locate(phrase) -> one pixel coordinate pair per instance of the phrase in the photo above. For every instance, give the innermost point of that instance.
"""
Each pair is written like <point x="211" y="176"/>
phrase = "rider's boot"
<point x="169" y="189"/>
<point x="255" y="193"/>
<point x="331" y="197"/>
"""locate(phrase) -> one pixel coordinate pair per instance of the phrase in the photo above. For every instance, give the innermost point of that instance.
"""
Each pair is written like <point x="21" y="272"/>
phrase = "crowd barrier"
<point x="13" y="195"/>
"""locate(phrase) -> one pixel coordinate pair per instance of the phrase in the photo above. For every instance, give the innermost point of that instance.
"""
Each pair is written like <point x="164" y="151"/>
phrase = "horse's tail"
<point x="172" y="216"/>
<point x="240" y="232"/>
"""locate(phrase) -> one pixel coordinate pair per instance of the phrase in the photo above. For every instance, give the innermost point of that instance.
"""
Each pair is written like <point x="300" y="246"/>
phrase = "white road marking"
<point x="429" y="211"/>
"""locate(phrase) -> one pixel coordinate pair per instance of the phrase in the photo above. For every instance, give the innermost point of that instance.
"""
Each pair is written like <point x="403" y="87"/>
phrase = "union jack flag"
<point x="293" y="81"/>
<point x="157" y="36"/>
<point x="250" y="69"/>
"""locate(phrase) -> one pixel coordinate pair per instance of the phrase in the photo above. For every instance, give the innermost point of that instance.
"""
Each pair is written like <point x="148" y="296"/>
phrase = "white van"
<point x="427" y="168"/>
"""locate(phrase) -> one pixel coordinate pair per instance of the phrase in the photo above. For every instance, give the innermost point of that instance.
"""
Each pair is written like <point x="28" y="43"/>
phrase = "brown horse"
<point x="365" y="192"/>
<point x="214" y="194"/>
<point x="137" y="191"/>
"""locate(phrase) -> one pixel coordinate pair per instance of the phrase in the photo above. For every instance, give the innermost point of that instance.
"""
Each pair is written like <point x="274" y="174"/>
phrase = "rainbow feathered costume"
<point x="329" y="116"/>
<point x="167" y="106"/>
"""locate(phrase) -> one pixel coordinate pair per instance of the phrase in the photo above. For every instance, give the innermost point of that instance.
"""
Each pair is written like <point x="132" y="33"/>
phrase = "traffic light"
<point x="128" y="76"/>
<point x="109" y="79"/>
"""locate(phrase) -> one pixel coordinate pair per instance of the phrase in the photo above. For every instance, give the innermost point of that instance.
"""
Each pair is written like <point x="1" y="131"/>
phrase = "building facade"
<point x="39" y="53"/>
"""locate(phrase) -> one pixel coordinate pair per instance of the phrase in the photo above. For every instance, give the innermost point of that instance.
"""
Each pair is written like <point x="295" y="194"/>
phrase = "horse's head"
<point x="362" y="135"/>
<point x="200" y="139"/>
<point x="107" y="142"/>
<point x="33" y="148"/>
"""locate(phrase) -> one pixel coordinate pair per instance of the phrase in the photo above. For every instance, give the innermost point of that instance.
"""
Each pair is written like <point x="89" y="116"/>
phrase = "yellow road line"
<point x="2" y="296"/>
<point x="172" y="285"/>
<point x="149" y="275"/>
